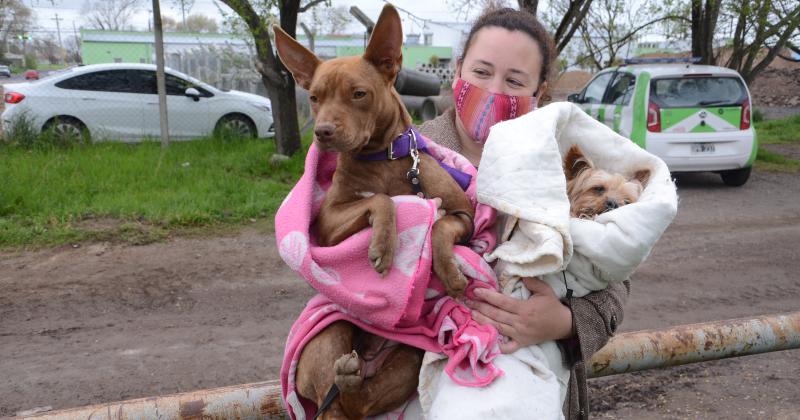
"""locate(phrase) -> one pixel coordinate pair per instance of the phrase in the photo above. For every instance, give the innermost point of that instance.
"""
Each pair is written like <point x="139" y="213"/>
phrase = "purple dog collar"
<point x="401" y="147"/>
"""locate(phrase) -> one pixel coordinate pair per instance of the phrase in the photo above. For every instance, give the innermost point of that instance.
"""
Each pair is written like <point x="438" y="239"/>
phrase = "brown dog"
<point x="357" y="113"/>
<point x="593" y="191"/>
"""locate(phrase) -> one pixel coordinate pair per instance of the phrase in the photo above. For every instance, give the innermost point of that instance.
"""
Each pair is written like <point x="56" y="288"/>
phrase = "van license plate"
<point x="702" y="148"/>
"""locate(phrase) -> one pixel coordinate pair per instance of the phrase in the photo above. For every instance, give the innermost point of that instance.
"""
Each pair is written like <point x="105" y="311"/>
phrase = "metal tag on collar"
<point x="390" y="152"/>
<point x="413" y="173"/>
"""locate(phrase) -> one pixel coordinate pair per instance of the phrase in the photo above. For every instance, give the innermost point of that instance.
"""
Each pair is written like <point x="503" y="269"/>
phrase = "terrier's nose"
<point x="611" y="204"/>
<point x="324" y="131"/>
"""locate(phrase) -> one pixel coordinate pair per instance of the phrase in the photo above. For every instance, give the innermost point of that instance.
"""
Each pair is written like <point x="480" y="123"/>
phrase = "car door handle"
<point x="89" y="99"/>
<point x="152" y="103"/>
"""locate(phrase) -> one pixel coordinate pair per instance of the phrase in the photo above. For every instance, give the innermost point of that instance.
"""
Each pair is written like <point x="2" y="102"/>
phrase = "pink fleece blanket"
<point x="408" y="305"/>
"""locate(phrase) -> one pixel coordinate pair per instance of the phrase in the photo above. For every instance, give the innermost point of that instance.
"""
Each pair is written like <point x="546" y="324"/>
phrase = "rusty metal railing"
<point x="626" y="352"/>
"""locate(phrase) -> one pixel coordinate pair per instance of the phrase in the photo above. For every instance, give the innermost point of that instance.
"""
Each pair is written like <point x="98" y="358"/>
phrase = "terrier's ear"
<point x="385" y="48"/>
<point x="301" y="62"/>
<point x="642" y="176"/>
<point x="575" y="162"/>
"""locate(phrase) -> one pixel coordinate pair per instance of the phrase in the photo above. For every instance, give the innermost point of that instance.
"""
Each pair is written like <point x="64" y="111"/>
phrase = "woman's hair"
<point x="517" y="20"/>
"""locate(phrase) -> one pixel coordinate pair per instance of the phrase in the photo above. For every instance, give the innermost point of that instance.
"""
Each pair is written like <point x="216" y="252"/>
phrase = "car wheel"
<point x="237" y="126"/>
<point x="67" y="130"/>
<point x="735" y="177"/>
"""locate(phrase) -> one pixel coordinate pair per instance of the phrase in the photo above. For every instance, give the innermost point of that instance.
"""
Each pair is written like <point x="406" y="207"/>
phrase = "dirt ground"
<point x="101" y="322"/>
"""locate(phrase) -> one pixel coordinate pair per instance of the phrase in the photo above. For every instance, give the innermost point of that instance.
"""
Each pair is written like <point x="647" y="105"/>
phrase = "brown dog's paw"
<point x="448" y="272"/>
<point x="348" y="372"/>
<point x="381" y="250"/>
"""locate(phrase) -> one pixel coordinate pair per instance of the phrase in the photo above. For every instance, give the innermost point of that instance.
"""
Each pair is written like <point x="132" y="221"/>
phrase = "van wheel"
<point x="735" y="177"/>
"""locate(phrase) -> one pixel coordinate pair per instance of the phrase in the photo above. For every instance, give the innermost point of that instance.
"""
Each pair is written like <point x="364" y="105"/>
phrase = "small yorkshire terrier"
<point x="593" y="191"/>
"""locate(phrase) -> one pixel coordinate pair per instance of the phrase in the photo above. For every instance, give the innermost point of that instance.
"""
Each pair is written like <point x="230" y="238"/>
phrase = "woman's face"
<point x="502" y="61"/>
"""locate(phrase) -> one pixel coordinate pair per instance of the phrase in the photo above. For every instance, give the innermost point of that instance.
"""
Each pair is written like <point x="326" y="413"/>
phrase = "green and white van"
<point x="694" y="117"/>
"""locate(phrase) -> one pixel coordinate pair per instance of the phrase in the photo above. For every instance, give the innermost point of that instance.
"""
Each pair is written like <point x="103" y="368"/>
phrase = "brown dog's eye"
<point x="599" y="190"/>
<point x="359" y="94"/>
<point x="313" y="99"/>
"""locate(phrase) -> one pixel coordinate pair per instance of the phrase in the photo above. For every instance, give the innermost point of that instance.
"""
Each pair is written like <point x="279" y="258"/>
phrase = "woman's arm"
<point x="596" y="318"/>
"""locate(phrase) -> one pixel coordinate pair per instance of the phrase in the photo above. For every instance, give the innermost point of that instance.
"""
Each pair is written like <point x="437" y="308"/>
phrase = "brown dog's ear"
<point x="575" y="162"/>
<point x="642" y="176"/>
<point x="385" y="48"/>
<point x="301" y="62"/>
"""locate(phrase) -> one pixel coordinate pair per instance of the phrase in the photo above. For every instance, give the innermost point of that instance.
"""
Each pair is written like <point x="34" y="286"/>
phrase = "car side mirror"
<point x="573" y="97"/>
<point x="193" y="93"/>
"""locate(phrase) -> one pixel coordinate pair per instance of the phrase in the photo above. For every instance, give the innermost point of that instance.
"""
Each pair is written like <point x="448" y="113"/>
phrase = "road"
<point x="103" y="322"/>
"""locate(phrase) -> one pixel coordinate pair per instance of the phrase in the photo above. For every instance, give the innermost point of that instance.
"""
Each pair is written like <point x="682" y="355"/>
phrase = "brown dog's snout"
<point x="324" y="132"/>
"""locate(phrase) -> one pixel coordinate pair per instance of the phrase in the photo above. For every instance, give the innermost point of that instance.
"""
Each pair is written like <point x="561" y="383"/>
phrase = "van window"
<point x="593" y="94"/>
<point x="692" y="92"/>
<point x="621" y="89"/>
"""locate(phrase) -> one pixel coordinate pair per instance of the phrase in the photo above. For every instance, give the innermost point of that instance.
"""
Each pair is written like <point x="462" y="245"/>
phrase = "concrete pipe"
<point x="415" y="83"/>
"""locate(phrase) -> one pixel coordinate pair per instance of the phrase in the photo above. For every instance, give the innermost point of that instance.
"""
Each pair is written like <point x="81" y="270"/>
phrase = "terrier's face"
<point x="593" y="191"/>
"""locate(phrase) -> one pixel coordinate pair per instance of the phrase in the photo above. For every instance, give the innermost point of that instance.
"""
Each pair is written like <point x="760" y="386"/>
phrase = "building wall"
<point x="111" y="52"/>
<point x="412" y="55"/>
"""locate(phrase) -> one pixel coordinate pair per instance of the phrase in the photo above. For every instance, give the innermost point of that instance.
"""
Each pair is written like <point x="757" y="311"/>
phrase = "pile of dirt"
<point x="568" y="83"/>
<point x="777" y="87"/>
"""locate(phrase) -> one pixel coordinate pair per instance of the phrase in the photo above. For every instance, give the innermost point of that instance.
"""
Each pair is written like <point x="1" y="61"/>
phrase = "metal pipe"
<point x="626" y="352"/>
<point x="684" y="344"/>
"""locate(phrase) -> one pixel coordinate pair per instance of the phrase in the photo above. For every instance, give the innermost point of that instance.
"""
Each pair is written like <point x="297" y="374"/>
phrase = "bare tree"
<point x="110" y="15"/>
<point x="611" y="25"/>
<point x="185" y="6"/>
<point x="169" y="24"/>
<point x="49" y="49"/>
<point x="763" y="28"/>
<point x="15" y="19"/>
<point x="199" y="23"/>
<point x="703" y="24"/>
<point x="256" y="16"/>
<point x="563" y="16"/>
<point x="327" y="20"/>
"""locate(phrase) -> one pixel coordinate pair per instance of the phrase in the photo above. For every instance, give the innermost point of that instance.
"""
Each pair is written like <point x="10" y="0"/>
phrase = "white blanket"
<point x="521" y="175"/>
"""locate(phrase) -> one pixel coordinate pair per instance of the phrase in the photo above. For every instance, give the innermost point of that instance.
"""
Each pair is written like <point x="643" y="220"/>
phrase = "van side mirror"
<point x="573" y="97"/>
<point x="192" y="93"/>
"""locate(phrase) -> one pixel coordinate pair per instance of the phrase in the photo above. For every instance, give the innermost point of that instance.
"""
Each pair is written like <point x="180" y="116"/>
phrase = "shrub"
<point x="758" y="115"/>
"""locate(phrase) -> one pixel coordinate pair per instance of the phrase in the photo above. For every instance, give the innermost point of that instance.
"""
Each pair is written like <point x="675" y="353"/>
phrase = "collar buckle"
<point x="390" y="152"/>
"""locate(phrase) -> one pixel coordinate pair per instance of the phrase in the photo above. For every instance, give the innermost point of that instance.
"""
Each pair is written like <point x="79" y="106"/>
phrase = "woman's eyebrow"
<point x="485" y="63"/>
<point x="522" y="72"/>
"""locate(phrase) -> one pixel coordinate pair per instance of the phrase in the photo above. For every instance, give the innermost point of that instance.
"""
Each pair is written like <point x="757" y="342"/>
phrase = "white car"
<point x="119" y="101"/>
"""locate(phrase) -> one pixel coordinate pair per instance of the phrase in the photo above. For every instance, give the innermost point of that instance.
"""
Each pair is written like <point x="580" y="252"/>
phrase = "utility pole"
<point x="78" y="43"/>
<point x="58" y="28"/>
<point x="160" y="78"/>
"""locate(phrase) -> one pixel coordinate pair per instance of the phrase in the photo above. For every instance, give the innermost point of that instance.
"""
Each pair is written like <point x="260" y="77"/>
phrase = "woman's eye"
<point x="359" y="94"/>
<point x="481" y="72"/>
<point x="515" y="83"/>
<point x="599" y="190"/>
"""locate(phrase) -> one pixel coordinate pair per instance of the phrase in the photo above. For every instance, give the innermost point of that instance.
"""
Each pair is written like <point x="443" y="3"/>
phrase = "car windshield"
<point x="692" y="92"/>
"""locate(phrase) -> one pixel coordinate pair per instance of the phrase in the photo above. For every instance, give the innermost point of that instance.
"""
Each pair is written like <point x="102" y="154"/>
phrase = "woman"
<point x="504" y="66"/>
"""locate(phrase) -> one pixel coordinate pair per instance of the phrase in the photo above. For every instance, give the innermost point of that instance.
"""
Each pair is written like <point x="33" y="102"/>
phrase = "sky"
<point x="69" y="12"/>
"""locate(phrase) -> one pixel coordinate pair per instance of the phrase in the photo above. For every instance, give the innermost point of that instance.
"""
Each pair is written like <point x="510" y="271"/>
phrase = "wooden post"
<point x="160" y="78"/>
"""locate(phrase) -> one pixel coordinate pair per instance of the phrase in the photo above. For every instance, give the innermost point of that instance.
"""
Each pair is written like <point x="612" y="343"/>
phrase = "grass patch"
<point x="771" y="161"/>
<point x="52" y="195"/>
<point x="783" y="131"/>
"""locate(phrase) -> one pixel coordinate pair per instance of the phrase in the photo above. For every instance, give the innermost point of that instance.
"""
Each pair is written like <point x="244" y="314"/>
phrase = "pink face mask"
<point x="480" y="109"/>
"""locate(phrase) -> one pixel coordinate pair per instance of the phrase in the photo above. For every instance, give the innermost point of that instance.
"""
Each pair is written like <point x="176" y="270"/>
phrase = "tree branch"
<point x="311" y="4"/>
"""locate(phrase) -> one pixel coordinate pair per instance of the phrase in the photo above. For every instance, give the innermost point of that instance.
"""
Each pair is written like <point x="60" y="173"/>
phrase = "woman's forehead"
<point x="504" y="49"/>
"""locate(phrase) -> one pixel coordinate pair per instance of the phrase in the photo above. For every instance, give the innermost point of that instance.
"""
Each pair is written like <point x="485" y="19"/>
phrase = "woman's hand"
<point x="542" y="317"/>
